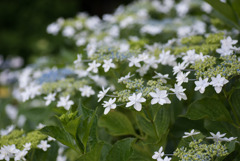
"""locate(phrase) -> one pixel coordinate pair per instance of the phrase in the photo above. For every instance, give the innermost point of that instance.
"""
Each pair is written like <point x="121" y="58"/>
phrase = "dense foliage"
<point x="155" y="80"/>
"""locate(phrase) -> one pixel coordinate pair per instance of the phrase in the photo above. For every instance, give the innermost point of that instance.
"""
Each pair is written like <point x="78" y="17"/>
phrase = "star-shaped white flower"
<point x="179" y="91"/>
<point x="179" y="67"/>
<point x="87" y="91"/>
<point x="165" y="58"/>
<point x="49" y="98"/>
<point x="160" y="97"/>
<point x="125" y="77"/>
<point x="93" y="66"/>
<point x="161" y="77"/>
<point x="228" y="139"/>
<point x="136" y="100"/>
<point x="44" y="145"/>
<point x="218" y="82"/>
<point x="134" y="61"/>
<point x="187" y="134"/>
<point x="20" y="155"/>
<point x="8" y="151"/>
<point x="65" y="102"/>
<point x="143" y="70"/>
<point x="110" y="104"/>
<point x="158" y="154"/>
<point x="181" y="77"/>
<point x="102" y="93"/>
<point x="27" y="146"/>
<point x="201" y="85"/>
<point x="216" y="137"/>
<point x="108" y="64"/>
<point x="228" y="42"/>
<point x="166" y="159"/>
<point x="152" y="62"/>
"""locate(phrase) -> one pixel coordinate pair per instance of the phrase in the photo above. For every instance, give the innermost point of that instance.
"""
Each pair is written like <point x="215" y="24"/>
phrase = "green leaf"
<point x="121" y="150"/>
<point x="162" y="121"/>
<point x="86" y="132"/>
<point x="228" y="13"/>
<point x="94" y="154"/>
<point x="72" y="126"/>
<point x="209" y="108"/>
<point x="235" y="101"/>
<point x="59" y="134"/>
<point x="117" y="124"/>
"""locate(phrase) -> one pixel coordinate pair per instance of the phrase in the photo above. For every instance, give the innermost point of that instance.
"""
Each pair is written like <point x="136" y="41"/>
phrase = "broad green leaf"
<point x="209" y="108"/>
<point x="155" y="125"/>
<point x="86" y="133"/>
<point x="143" y="151"/>
<point x="121" y="150"/>
<point x="60" y="135"/>
<point x="228" y="13"/>
<point x="94" y="154"/>
<point x="146" y="125"/>
<point x="235" y="101"/>
<point x="117" y="124"/>
<point x="98" y="153"/>
<point x="162" y="121"/>
<point x="72" y="126"/>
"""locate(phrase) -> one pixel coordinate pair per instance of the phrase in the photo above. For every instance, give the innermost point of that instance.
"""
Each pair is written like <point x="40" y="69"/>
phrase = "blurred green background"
<point x="23" y="23"/>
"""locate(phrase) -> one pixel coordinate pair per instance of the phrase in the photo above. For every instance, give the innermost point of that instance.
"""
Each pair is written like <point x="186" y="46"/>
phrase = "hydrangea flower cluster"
<point x="143" y="65"/>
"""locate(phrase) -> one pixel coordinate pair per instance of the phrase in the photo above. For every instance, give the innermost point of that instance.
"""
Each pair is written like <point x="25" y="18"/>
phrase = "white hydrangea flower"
<point x="53" y="28"/>
<point x="143" y="70"/>
<point x="102" y="93"/>
<point x="160" y="97"/>
<point x="125" y="77"/>
<point x="218" y="82"/>
<point x="108" y="64"/>
<point x="20" y="155"/>
<point x="87" y="91"/>
<point x="65" y="102"/>
<point x="165" y="58"/>
<point x="179" y="91"/>
<point x="201" y="84"/>
<point x="151" y="29"/>
<point x="152" y="62"/>
<point x="136" y="101"/>
<point x="49" y="98"/>
<point x="68" y="31"/>
<point x="8" y="151"/>
<point x="181" y="77"/>
<point x="134" y="61"/>
<point x="110" y="104"/>
<point x="228" y="139"/>
<point x="158" y="154"/>
<point x="44" y="145"/>
<point x="8" y="130"/>
<point x="27" y="146"/>
<point x="187" y="134"/>
<point x="216" y="137"/>
<point x="161" y="77"/>
<point x="179" y="67"/>
<point x="93" y="66"/>
<point x="11" y="111"/>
